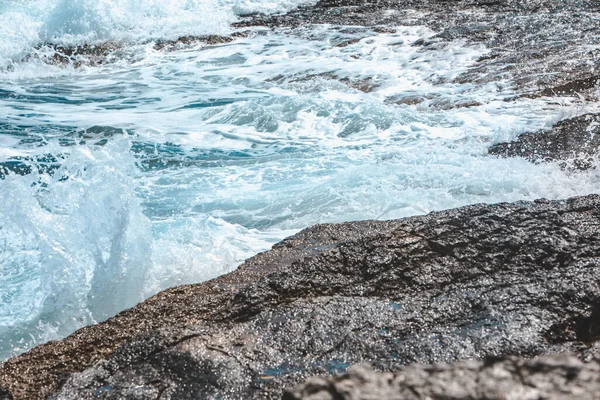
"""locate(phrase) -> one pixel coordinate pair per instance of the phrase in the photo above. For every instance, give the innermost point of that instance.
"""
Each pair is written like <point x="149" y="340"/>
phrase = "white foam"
<point x="24" y="25"/>
<point x="214" y="153"/>
<point x="81" y="249"/>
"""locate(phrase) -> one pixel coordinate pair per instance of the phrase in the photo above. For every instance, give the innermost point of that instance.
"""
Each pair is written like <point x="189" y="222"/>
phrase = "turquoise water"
<point x="165" y="167"/>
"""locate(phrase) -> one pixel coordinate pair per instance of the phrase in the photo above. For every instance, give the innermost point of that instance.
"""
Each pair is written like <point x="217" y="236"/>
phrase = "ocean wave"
<point x="25" y="26"/>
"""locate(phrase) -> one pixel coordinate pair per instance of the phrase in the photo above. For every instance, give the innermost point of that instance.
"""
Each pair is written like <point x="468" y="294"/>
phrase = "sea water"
<point x="172" y="166"/>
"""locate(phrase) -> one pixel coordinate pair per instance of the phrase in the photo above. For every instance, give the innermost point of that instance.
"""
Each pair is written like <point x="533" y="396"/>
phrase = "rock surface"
<point x="478" y="281"/>
<point x="574" y="142"/>
<point x="560" y="377"/>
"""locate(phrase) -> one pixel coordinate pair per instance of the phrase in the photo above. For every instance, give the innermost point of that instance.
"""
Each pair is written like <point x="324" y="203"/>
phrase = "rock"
<point x="106" y="52"/>
<point x="5" y="395"/>
<point x="577" y="86"/>
<point x="19" y="165"/>
<point x="187" y="41"/>
<point x="405" y="99"/>
<point x="80" y="55"/>
<point x="474" y="282"/>
<point x="574" y="143"/>
<point x="366" y="85"/>
<point x="540" y="48"/>
<point x="549" y="377"/>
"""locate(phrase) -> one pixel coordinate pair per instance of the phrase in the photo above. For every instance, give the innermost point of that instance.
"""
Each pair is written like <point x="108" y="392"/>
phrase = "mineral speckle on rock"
<point x="561" y="377"/>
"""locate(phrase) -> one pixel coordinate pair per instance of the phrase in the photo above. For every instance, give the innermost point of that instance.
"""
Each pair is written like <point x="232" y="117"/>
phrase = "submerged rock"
<point x="549" y="377"/>
<point x="366" y="85"/>
<point x="187" y="41"/>
<point x="574" y="143"/>
<point x="107" y="52"/>
<point x="474" y="282"/>
<point x="80" y="55"/>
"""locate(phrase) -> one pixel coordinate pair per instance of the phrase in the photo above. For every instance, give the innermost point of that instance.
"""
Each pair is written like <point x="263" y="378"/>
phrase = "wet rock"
<point x="574" y="87"/>
<point x="77" y="56"/>
<point x="405" y="99"/>
<point x="574" y="143"/>
<point x="46" y="164"/>
<point x="107" y="52"/>
<point x="5" y="394"/>
<point x="187" y="41"/>
<point x="588" y="327"/>
<point x="542" y="48"/>
<point x="447" y="104"/>
<point x="346" y="43"/>
<point x="478" y="281"/>
<point x="549" y="377"/>
<point x="366" y="85"/>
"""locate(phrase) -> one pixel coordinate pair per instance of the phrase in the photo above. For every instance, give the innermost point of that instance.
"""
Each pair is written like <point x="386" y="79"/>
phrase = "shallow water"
<point x="170" y="167"/>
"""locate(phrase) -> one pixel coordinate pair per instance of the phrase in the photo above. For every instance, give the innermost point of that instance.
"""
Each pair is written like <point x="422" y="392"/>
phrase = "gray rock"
<point x="561" y="377"/>
<point x="574" y="143"/>
<point x="479" y="281"/>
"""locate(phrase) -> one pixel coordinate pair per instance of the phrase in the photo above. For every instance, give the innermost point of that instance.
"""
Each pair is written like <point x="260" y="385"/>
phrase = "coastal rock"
<point x="560" y="377"/>
<point x="574" y="143"/>
<point x="469" y="283"/>
<point x="77" y="56"/>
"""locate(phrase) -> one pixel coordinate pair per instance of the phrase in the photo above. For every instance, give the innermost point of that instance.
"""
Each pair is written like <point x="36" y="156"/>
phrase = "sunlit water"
<point x="171" y="167"/>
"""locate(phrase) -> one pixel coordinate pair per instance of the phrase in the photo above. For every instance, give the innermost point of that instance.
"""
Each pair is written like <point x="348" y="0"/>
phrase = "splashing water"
<point x="172" y="167"/>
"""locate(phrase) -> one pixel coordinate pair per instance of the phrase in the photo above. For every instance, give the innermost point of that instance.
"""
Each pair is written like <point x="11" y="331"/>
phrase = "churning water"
<point x="172" y="166"/>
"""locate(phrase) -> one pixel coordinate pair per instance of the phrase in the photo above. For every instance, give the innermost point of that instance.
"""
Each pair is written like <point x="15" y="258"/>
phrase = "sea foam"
<point x="123" y="179"/>
<point x="27" y="25"/>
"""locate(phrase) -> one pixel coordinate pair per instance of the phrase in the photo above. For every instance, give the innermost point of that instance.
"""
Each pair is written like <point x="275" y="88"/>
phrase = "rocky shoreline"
<point x="470" y="283"/>
<point x="501" y="283"/>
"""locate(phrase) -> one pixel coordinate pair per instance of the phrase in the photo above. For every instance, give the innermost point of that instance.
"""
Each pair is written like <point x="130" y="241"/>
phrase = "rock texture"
<point x="574" y="143"/>
<point x="479" y="281"/>
<point x="560" y="377"/>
